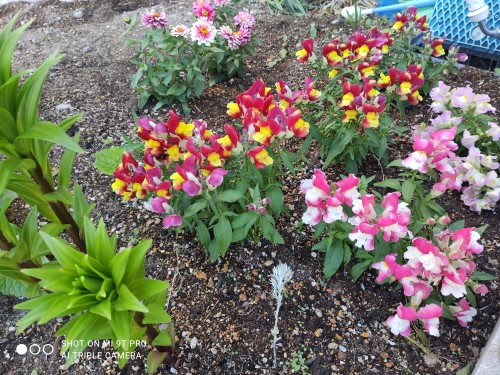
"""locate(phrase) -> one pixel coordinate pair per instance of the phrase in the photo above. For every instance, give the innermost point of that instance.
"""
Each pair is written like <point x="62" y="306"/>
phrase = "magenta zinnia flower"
<point x="244" y="20"/>
<point x="203" y="32"/>
<point x="157" y="20"/>
<point x="205" y="10"/>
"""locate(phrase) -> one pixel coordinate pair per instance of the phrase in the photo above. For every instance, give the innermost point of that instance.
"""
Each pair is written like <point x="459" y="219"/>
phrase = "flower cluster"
<point x="361" y="53"/>
<point x="190" y="155"/>
<point x="345" y="203"/>
<point x="176" y="62"/>
<point x="475" y="173"/>
<point x="445" y="265"/>
<point x="362" y="100"/>
<point x="265" y="120"/>
<point x="405" y="84"/>
<point x="410" y="21"/>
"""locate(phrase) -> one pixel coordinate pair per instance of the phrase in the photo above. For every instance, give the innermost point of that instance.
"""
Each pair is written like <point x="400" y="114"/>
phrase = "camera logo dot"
<point x="21" y="349"/>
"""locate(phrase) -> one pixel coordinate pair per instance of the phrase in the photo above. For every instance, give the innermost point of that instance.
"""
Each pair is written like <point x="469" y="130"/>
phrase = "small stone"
<point x="78" y="14"/>
<point x="333" y="346"/>
<point x="384" y="355"/>
<point x="341" y="355"/>
<point x="340" y="314"/>
<point x="453" y="347"/>
<point x="213" y="351"/>
<point x="318" y="313"/>
<point x="389" y="364"/>
<point x="268" y="263"/>
<point x="210" y="283"/>
<point x="243" y="297"/>
<point x="318" y="332"/>
<point x="63" y="106"/>
<point x="365" y="335"/>
<point x="201" y="275"/>
<point x="193" y="343"/>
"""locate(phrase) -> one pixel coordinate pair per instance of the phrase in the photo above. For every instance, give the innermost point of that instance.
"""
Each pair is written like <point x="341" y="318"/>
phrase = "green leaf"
<point x="333" y="258"/>
<point x="8" y="108"/>
<point x="285" y="157"/>
<point x="118" y="266"/>
<point x="358" y="269"/>
<point x="49" y="132"/>
<point x="155" y="359"/>
<point x="81" y="208"/>
<point x="392" y="183"/>
<point x="195" y="208"/>
<point x="156" y="315"/>
<point x="108" y="159"/>
<point x="482" y="276"/>
<point x="66" y="165"/>
<point x="29" y="96"/>
<point x="176" y="90"/>
<point x="103" y="309"/>
<point x="126" y="301"/>
<point x="65" y="254"/>
<point x="9" y="41"/>
<point x="457" y="225"/>
<point x="163" y="339"/>
<point x="203" y="234"/>
<point x="10" y="287"/>
<point x="223" y="234"/>
<point x="276" y="200"/>
<point x="243" y="219"/>
<point x="395" y="163"/>
<point x="408" y="189"/>
<point x="230" y="195"/>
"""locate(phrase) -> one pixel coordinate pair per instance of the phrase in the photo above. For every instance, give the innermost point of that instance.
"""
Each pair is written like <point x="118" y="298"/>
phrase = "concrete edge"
<point x="489" y="360"/>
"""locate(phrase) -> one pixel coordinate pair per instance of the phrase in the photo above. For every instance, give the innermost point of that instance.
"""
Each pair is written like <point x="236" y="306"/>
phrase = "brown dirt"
<point x="334" y="326"/>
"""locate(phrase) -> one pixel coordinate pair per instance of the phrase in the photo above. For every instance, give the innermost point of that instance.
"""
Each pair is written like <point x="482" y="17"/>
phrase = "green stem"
<point x="59" y="208"/>
<point x="5" y="244"/>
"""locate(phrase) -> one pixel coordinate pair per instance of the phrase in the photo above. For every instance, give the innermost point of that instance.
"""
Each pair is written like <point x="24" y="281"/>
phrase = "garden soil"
<point x="223" y="311"/>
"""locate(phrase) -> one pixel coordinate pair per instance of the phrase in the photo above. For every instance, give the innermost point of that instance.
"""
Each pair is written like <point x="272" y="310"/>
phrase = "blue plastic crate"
<point x="450" y="19"/>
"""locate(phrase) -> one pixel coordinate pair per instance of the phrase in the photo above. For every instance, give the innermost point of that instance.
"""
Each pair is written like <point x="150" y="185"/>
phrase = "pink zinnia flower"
<point x="231" y="36"/>
<point x="154" y="19"/>
<point x="244" y="20"/>
<point x="206" y="11"/>
<point x="179" y="30"/>
<point x="203" y="32"/>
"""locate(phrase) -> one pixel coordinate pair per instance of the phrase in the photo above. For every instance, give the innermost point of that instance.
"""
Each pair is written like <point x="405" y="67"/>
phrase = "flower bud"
<point x="444" y="220"/>
<point x="261" y="210"/>
<point x="251" y="207"/>
<point x="431" y="221"/>
<point x="266" y="201"/>
<point x="127" y="20"/>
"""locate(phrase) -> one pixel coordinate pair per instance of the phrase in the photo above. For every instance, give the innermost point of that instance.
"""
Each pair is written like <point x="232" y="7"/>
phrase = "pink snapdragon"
<point x="315" y="189"/>
<point x="395" y="218"/>
<point x="399" y="324"/>
<point x="463" y="312"/>
<point x="445" y="266"/>
<point x="430" y="315"/>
